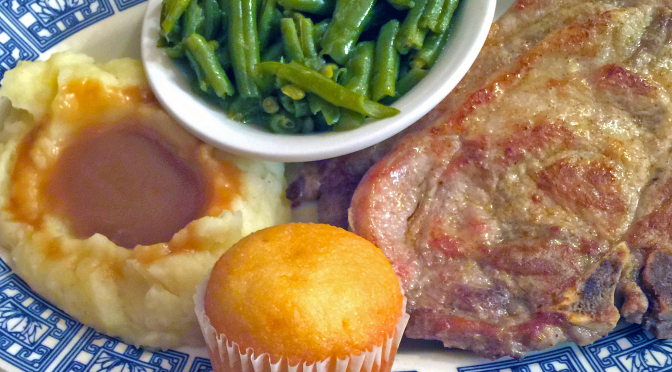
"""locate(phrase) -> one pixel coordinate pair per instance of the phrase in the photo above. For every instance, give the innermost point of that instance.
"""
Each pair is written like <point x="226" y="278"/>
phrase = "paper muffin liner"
<point x="227" y="356"/>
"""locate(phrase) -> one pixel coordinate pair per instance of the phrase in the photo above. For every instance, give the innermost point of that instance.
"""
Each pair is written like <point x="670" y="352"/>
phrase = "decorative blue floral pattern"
<point x="630" y="349"/>
<point x="32" y="331"/>
<point x="96" y="352"/>
<point x="560" y="360"/>
<point x="19" y="323"/>
<point x="201" y="365"/>
<point x="12" y="50"/>
<point x="125" y="4"/>
<point x="47" y="22"/>
<point x="4" y="268"/>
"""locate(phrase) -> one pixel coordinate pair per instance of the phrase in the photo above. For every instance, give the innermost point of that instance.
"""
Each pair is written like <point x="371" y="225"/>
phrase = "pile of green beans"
<point x="303" y="66"/>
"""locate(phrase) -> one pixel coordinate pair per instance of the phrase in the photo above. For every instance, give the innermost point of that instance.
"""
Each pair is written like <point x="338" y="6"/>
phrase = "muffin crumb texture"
<point x="306" y="292"/>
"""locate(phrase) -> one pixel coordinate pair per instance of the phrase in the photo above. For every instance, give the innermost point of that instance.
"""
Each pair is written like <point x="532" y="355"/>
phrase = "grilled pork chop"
<point x="516" y="216"/>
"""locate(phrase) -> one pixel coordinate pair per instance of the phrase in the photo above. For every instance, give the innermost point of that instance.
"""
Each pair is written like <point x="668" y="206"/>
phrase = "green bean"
<point x="202" y="84"/>
<point x="431" y="14"/>
<point x="307" y="41"/>
<point x="266" y="83"/>
<point x="337" y="72"/>
<point x="224" y="56"/>
<point x="307" y="125"/>
<point x="386" y="62"/>
<point x="307" y="38"/>
<point x="259" y="118"/>
<point x="269" y="17"/>
<point x="319" y="30"/>
<point x="243" y="44"/>
<point x="431" y="50"/>
<point x="175" y="52"/>
<point x="243" y="109"/>
<point x="320" y="124"/>
<point x="410" y="35"/>
<point x="282" y="122"/>
<point x="310" y="6"/>
<point x="208" y="96"/>
<point x="359" y="68"/>
<point x="312" y="81"/>
<point x="345" y="27"/>
<point x="290" y="38"/>
<point x="171" y="13"/>
<point x="211" y="18"/>
<point x="402" y="4"/>
<point x="349" y="120"/>
<point x="449" y="7"/>
<point x="223" y="8"/>
<point x="405" y="63"/>
<point x="193" y="19"/>
<point x="287" y="103"/>
<point x="405" y="84"/>
<point x="295" y="107"/>
<point x="223" y="32"/>
<point x="251" y="37"/>
<point x="270" y="105"/>
<point x="318" y="104"/>
<point x="173" y="38"/>
<point x="274" y="52"/>
<point x="204" y="56"/>
<point x="298" y="108"/>
<point x="408" y="81"/>
<point x="301" y="108"/>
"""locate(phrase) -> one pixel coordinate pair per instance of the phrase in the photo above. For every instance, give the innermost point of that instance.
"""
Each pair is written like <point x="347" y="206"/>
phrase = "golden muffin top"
<point x="305" y="292"/>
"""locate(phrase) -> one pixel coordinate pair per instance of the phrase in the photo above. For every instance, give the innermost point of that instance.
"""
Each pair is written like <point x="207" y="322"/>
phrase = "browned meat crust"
<point x="515" y="216"/>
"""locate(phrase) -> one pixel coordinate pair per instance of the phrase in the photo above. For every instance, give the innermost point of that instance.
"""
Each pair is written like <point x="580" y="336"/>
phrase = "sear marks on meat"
<point x="516" y="218"/>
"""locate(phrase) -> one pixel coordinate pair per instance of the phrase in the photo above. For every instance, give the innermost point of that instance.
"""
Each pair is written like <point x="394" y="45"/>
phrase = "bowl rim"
<point x="211" y="124"/>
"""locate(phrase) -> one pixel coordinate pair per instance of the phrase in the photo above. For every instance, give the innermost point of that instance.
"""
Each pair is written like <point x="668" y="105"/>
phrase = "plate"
<point x="35" y="336"/>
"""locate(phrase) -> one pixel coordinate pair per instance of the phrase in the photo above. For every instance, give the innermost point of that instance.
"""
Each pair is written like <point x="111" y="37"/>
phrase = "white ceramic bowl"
<point x="471" y="24"/>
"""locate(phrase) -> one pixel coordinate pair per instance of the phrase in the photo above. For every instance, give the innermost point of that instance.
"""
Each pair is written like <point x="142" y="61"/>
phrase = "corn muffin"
<point x="302" y="294"/>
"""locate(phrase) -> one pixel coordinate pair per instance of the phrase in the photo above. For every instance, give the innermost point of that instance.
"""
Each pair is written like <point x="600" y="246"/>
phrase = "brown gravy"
<point x="125" y="184"/>
<point x="124" y="179"/>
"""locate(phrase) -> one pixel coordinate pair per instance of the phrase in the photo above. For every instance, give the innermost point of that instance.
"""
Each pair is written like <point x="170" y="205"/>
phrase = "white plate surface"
<point x="35" y="336"/>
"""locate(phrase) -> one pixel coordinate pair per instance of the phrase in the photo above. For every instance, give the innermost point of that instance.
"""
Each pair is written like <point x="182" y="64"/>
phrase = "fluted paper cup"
<point x="227" y="356"/>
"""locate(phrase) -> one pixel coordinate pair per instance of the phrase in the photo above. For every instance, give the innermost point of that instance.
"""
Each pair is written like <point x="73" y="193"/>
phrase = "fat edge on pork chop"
<point x="518" y="219"/>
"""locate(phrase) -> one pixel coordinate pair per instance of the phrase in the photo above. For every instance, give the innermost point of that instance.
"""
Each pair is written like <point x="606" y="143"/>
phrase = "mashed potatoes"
<point x="119" y="273"/>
